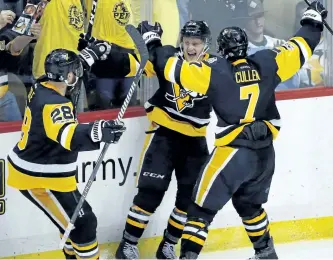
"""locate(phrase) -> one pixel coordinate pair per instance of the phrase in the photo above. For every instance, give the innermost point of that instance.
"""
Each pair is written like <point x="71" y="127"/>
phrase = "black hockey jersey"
<point x="51" y="138"/>
<point x="244" y="91"/>
<point x="172" y="106"/>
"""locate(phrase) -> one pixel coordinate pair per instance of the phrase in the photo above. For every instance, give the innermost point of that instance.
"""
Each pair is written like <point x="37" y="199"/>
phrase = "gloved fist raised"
<point x="149" y="32"/>
<point x="314" y="15"/>
<point x="83" y="42"/>
<point x="95" y="50"/>
<point x="107" y="131"/>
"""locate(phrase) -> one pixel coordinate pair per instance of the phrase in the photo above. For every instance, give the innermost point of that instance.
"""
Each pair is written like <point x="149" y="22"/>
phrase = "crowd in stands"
<point x="63" y="21"/>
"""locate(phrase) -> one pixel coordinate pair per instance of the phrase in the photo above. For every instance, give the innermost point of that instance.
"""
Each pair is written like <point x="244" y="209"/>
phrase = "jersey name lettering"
<point x="247" y="76"/>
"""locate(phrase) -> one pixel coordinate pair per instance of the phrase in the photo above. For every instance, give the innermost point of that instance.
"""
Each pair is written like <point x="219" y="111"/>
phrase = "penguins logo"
<point x="75" y="17"/>
<point x="121" y="14"/>
<point x="183" y="98"/>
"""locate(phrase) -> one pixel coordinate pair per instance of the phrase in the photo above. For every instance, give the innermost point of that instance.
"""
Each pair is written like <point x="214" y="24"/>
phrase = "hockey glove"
<point x="314" y="15"/>
<point x="83" y="42"/>
<point x="107" y="131"/>
<point x="96" y="50"/>
<point x="150" y="33"/>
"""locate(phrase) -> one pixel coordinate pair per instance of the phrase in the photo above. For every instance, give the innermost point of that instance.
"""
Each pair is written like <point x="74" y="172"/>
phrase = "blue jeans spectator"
<point x="111" y="92"/>
<point x="9" y="110"/>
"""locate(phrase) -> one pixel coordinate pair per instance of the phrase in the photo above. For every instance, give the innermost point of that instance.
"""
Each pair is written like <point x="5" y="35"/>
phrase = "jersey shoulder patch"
<point x="211" y="60"/>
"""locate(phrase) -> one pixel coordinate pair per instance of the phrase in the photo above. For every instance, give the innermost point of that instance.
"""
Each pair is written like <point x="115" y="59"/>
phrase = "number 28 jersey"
<point x="46" y="155"/>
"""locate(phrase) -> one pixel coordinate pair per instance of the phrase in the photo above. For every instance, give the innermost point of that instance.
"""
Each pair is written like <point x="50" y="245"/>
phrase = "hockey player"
<point x="175" y="141"/>
<point x="241" y="90"/>
<point x="42" y="166"/>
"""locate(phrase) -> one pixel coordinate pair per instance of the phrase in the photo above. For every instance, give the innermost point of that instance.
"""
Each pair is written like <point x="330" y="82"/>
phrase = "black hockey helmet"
<point x="232" y="43"/>
<point x="199" y="29"/>
<point x="59" y="63"/>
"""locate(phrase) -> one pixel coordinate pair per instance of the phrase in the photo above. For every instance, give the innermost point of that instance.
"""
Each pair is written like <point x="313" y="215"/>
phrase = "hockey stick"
<point x="324" y="22"/>
<point x="144" y="55"/>
<point x="91" y="19"/>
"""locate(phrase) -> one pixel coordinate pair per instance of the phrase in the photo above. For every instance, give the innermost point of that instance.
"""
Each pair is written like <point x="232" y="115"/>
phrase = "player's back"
<point x="40" y="151"/>
<point x="243" y="93"/>
<point x="35" y="145"/>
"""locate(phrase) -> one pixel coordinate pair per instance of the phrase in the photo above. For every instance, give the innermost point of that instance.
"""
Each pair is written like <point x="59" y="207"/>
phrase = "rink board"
<point x="300" y="205"/>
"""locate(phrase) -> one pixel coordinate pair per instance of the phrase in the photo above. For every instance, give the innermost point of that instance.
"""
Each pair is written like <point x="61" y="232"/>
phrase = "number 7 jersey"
<point x="243" y="92"/>
<point x="46" y="155"/>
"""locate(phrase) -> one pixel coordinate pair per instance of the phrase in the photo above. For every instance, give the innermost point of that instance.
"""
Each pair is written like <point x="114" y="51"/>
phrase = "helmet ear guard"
<point x="77" y="70"/>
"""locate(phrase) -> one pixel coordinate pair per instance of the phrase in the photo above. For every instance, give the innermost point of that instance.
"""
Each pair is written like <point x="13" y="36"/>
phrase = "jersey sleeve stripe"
<point x="67" y="135"/>
<point x="177" y="73"/>
<point x="134" y="66"/>
<point x="149" y="69"/>
<point x="304" y="47"/>
<point x="288" y="60"/>
<point x="301" y="55"/>
<point x="60" y="132"/>
<point x="169" y="71"/>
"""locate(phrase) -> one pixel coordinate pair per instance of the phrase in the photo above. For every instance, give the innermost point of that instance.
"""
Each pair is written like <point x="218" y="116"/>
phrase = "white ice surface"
<point x="316" y="249"/>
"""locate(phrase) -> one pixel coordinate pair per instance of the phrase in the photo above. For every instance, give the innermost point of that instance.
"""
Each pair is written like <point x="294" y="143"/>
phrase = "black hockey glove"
<point x="149" y="32"/>
<point x="314" y="15"/>
<point x="83" y="42"/>
<point x="96" y="50"/>
<point x="107" y="131"/>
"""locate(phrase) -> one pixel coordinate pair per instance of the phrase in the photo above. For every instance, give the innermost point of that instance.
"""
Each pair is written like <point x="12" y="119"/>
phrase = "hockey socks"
<point x="257" y="228"/>
<point x="137" y="220"/>
<point x="176" y="224"/>
<point x="78" y="251"/>
<point x="193" y="238"/>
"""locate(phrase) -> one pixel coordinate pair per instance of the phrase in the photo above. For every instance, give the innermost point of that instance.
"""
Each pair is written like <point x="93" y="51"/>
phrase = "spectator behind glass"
<point x="10" y="46"/>
<point x="62" y="23"/>
<point x="110" y="20"/>
<point x="254" y="25"/>
<point x="312" y="72"/>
